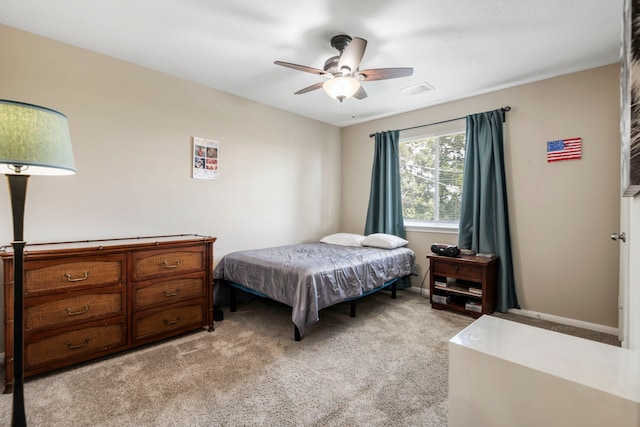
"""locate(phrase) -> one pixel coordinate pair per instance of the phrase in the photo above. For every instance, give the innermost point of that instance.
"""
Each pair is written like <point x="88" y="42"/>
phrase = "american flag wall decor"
<point x="564" y="149"/>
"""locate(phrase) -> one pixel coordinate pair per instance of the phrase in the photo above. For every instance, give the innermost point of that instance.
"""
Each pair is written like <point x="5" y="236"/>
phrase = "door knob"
<point x="622" y="236"/>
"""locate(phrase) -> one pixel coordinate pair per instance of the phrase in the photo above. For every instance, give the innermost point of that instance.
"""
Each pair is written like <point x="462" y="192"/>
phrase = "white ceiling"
<point x="460" y="47"/>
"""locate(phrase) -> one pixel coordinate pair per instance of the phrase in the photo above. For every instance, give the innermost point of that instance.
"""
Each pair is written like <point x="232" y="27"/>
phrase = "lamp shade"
<point x="34" y="140"/>
<point x="341" y="88"/>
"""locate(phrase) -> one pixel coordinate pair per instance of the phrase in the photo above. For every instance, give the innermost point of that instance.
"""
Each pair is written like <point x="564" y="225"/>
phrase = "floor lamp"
<point x="33" y="141"/>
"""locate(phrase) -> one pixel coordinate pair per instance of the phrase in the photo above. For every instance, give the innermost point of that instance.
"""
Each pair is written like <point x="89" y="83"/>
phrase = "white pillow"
<point x="384" y="241"/>
<point x="343" y="239"/>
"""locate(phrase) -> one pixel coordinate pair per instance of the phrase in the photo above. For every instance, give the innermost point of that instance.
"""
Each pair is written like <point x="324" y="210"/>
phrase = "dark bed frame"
<point x="233" y="287"/>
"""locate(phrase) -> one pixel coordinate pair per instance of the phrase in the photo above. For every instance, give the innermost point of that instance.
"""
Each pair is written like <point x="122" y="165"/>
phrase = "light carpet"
<point x="387" y="366"/>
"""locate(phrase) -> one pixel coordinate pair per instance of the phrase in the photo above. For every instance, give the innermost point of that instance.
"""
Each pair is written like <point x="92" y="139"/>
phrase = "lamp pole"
<point x="18" y="190"/>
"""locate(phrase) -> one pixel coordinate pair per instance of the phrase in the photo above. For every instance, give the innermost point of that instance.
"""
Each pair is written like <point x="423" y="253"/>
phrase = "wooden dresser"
<point x="84" y="300"/>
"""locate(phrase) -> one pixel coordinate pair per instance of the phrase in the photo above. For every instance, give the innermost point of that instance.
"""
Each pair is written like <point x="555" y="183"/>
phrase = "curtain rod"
<point x="504" y="110"/>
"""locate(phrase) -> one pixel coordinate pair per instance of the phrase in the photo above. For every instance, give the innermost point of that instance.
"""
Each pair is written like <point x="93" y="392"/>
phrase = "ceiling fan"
<point x="342" y="73"/>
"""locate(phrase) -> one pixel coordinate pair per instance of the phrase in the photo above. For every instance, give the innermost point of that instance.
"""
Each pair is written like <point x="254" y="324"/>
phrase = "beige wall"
<point x="286" y="179"/>
<point x="561" y="214"/>
<point x="131" y="128"/>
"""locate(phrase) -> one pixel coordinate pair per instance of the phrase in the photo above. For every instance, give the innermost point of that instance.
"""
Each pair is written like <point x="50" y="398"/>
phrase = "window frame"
<point x="425" y="226"/>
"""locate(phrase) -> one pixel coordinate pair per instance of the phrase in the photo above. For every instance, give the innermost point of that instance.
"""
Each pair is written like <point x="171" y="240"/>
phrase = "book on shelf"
<point x="475" y="291"/>
<point x="440" y="283"/>
<point x="441" y="299"/>
<point x="473" y="306"/>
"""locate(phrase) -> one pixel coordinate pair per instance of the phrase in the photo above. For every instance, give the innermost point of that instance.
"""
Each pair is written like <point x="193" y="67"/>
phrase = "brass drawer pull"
<point x="164" y="263"/>
<point x="77" y="279"/>
<point x="172" y="322"/>
<point x="76" y="346"/>
<point x="75" y="313"/>
<point x="171" y="294"/>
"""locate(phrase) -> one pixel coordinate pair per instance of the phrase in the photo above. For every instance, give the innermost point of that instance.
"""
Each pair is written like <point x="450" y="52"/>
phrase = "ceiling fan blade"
<point x="385" y="73"/>
<point x="352" y="54"/>
<point x="361" y="93"/>
<point x="301" y="68"/>
<point x="309" y="88"/>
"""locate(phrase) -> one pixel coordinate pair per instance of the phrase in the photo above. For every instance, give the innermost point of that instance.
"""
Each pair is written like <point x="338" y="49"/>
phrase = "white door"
<point x="633" y="275"/>
<point x="629" y="299"/>
<point x="623" y="298"/>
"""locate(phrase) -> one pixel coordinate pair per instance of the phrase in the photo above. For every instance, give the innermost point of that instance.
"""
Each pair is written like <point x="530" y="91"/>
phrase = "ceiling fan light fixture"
<point x="341" y="88"/>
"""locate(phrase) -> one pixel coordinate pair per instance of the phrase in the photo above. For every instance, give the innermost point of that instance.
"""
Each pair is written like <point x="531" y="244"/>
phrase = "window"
<point x="431" y="178"/>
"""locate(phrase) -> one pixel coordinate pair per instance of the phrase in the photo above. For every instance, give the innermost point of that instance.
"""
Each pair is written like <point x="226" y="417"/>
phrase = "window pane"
<point x="450" y="178"/>
<point x="417" y="178"/>
<point x="431" y="177"/>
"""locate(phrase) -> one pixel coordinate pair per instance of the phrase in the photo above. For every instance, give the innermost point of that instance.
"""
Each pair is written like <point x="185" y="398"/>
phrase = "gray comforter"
<point x="311" y="276"/>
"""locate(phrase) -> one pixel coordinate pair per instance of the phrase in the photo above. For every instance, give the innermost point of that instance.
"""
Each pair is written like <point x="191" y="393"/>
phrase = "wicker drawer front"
<point x="150" y="264"/>
<point x="80" y="342"/>
<point x="73" y="309"/>
<point x="459" y="270"/>
<point x="167" y="320"/>
<point x="72" y="274"/>
<point x="168" y="291"/>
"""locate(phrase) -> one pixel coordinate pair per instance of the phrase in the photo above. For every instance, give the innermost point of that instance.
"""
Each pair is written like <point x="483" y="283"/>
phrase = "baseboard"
<point x="423" y="292"/>
<point x="566" y="321"/>
<point x="550" y="317"/>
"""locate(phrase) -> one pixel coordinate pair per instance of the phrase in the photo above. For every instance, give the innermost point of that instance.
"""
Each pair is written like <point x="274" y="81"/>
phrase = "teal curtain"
<point x="484" y="217"/>
<point x="385" y="200"/>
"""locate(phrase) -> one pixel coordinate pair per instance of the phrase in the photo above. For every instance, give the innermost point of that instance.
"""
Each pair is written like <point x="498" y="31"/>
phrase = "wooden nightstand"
<point x="466" y="284"/>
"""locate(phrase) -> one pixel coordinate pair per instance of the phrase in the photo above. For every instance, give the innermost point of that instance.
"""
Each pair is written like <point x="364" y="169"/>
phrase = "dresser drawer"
<point x="168" y="291"/>
<point x="46" y="312"/>
<point x="149" y="264"/>
<point x="156" y="322"/>
<point x="74" y="344"/>
<point x="458" y="270"/>
<point x="70" y="273"/>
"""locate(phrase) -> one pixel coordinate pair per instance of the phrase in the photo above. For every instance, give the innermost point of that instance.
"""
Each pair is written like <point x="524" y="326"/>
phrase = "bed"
<point x="311" y="276"/>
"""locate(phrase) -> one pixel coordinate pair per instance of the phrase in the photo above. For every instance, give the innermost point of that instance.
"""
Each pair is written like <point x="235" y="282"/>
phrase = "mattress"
<point x="312" y="276"/>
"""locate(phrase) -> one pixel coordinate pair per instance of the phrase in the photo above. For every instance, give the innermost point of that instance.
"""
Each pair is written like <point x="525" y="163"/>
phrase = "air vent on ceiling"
<point x="416" y="89"/>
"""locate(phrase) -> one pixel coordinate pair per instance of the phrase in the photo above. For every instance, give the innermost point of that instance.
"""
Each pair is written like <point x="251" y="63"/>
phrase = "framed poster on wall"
<point x="630" y="99"/>
<point x="204" y="159"/>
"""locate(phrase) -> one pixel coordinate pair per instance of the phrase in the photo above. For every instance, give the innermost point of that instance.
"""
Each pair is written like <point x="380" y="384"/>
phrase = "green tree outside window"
<point x="431" y="177"/>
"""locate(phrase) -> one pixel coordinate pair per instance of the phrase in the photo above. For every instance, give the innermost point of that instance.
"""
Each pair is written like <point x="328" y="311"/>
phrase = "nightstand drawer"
<point x="46" y="312"/>
<point x="68" y="273"/>
<point x="149" y="264"/>
<point x="167" y="291"/>
<point x="458" y="270"/>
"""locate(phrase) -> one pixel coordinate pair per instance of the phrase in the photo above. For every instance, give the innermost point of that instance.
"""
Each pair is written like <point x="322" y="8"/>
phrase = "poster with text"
<point x="205" y="158"/>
